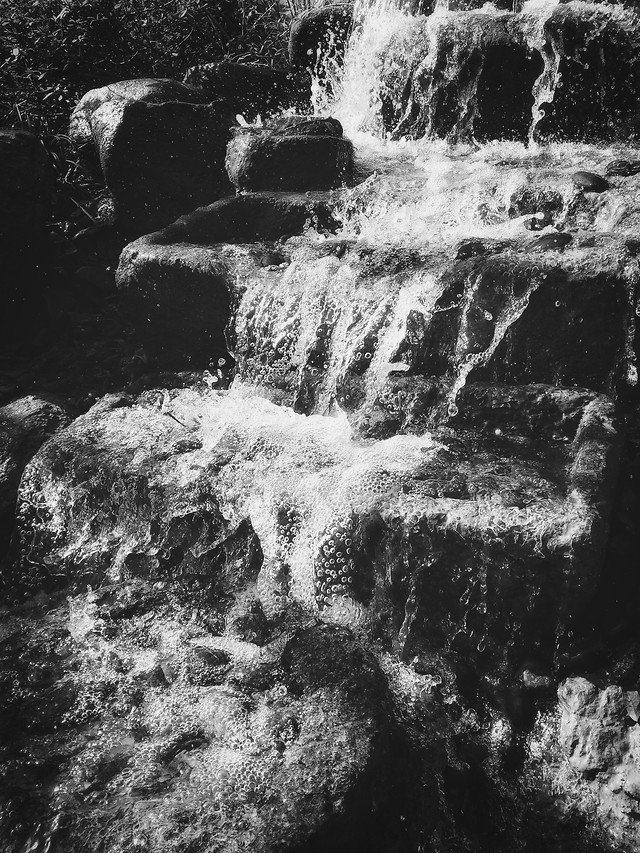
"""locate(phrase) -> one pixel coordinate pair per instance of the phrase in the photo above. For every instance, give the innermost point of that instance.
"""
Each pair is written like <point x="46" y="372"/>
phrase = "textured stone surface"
<point x="24" y="426"/>
<point x="251" y="90"/>
<point x="593" y="757"/>
<point x="281" y="747"/>
<point x="160" y="147"/>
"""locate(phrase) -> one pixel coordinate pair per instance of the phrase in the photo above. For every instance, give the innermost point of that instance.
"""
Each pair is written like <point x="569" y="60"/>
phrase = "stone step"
<point x="480" y="537"/>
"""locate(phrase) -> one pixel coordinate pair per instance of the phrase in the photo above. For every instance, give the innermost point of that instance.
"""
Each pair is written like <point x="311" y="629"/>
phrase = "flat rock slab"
<point x="498" y="534"/>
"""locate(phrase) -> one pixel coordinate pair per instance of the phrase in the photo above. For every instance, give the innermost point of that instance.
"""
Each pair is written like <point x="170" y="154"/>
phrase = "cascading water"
<point x="419" y="446"/>
<point x="420" y="197"/>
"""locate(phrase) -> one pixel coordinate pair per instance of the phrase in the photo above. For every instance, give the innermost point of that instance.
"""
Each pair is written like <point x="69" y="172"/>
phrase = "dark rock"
<point x="208" y="666"/>
<point x="561" y="337"/>
<point x="426" y="92"/>
<point x="319" y="36"/>
<point x="246" y="621"/>
<point x="155" y="536"/>
<point x="24" y="426"/>
<point x="559" y="240"/>
<point x="251" y="90"/>
<point x="26" y="186"/>
<point x="589" y="182"/>
<point x="290" y="156"/>
<point x="470" y="248"/>
<point x="305" y="126"/>
<point x="474" y="75"/>
<point x="159" y="145"/>
<point x="179" y="286"/>
<point x="624" y="168"/>
<point x="589" y="44"/>
<point x="593" y="767"/>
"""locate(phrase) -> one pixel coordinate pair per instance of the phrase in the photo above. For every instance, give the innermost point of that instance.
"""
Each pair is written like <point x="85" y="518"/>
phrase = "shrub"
<point x="53" y="51"/>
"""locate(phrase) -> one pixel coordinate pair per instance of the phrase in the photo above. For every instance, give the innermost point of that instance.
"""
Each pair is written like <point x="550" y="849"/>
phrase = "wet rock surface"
<point x="179" y="482"/>
<point x="180" y="284"/>
<point x="268" y="752"/>
<point x="379" y="595"/>
<point x="291" y="155"/>
<point x="320" y="35"/>
<point x="251" y="90"/>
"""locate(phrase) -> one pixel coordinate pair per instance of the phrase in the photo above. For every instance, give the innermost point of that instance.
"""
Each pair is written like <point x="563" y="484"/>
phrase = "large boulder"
<point x="290" y="155"/>
<point x="24" y="426"/>
<point x="251" y="90"/>
<point x="488" y="539"/>
<point x="588" y="751"/>
<point x="160" y="146"/>
<point x="180" y="284"/>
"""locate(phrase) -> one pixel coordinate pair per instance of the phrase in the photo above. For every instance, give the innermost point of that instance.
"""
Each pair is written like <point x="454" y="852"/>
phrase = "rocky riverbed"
<point x="319" y="452"/>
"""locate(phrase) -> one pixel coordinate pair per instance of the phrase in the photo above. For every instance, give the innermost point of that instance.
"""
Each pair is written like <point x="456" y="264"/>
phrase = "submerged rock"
<point x="290" y="155"/>
<point x="159" y="145"/>
<point x="558" y="240"/>
<point x="589" y="182"/>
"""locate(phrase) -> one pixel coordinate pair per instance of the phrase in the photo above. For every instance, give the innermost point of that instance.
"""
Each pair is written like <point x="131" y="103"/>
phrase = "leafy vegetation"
<point x="53" y="51"/>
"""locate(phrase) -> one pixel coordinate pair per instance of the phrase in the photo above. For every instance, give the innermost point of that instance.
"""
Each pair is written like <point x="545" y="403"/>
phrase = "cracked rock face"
<point x="592" y="757"/>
